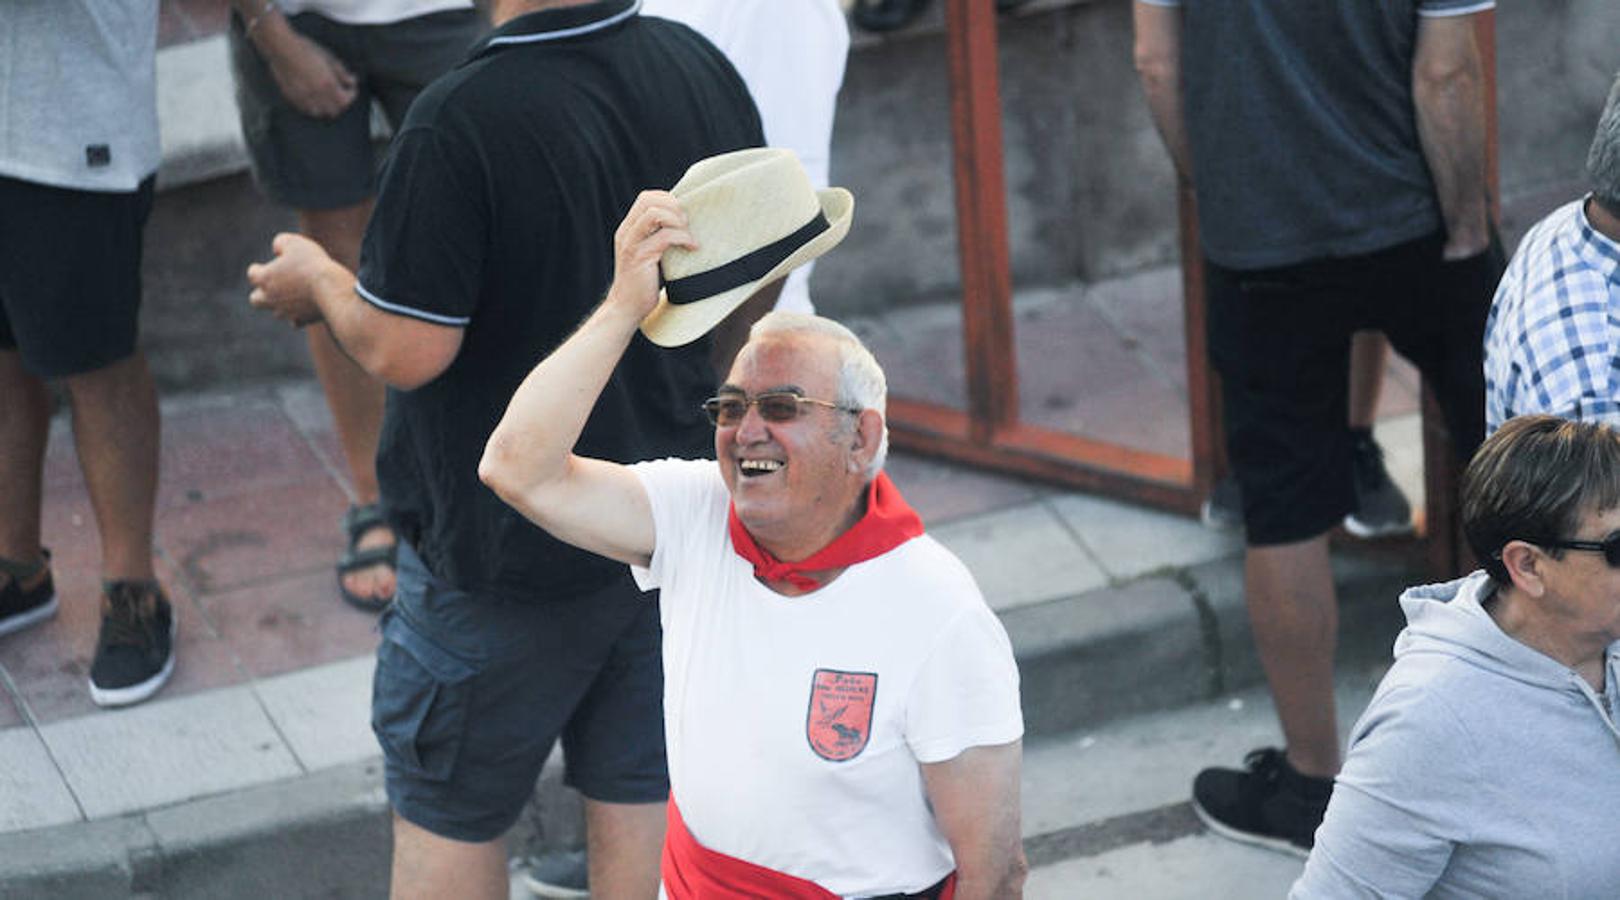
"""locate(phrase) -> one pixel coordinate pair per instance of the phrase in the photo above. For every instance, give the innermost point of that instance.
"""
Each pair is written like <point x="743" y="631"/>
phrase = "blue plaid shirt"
<point x="1552" y="342"/>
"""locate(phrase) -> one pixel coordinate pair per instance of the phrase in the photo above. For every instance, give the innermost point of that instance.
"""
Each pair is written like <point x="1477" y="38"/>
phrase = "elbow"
<point x="1017" y="872"/>
<point x="400" y="370"/>
<point x="1442" y="77"/>
<point x="497" y="467"/>
<point x="1156" y="70"/>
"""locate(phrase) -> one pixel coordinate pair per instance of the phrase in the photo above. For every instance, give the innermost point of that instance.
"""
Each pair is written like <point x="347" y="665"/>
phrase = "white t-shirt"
<point x="78" y="92"/>
<point x="796" y="724"/>
<point x="370" y="12"/>
<point x="791" y="54"/>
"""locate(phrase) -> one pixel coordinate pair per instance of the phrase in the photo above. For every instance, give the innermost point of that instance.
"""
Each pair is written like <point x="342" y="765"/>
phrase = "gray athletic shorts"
<point x="309" y="163"/>
<point x="471" y="693"/>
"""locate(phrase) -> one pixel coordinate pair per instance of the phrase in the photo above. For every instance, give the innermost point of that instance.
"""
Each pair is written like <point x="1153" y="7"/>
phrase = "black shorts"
<point x="471" y="693"/>
<point x="309" y="163"/>
<point x="70" y="275"/>
<point x="1280" y="339"/>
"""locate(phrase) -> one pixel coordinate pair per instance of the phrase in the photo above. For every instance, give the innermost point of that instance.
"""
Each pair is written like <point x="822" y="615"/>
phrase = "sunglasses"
<point x="1609" y="547"/>
<point x="727" y="410"/>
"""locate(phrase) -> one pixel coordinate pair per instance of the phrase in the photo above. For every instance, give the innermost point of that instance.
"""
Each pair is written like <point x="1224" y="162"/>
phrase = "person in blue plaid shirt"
<point x="1552" y="344"/>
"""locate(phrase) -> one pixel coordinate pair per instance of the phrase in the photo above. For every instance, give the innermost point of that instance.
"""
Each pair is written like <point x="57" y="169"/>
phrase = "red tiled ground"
<point x="245" y="505"/>
<point x="290" y="623"/>
<point x="50" y="663"/>
<point x="223" y="543"/>
<point x="214" y="450"/>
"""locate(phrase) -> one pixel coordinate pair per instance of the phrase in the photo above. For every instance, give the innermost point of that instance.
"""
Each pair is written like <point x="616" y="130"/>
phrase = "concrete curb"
<point x="1162" y="640"/>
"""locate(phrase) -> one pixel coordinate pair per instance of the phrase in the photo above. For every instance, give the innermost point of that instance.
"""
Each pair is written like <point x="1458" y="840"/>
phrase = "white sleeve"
<point x="1395" y="815"/>
<point x="966" y="692"/>
<point x="679" y="491"/>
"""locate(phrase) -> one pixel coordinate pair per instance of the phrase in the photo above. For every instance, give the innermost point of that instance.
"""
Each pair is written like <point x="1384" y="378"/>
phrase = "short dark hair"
<point x="1533" y="480"/>
<point x="1603" y="157"/>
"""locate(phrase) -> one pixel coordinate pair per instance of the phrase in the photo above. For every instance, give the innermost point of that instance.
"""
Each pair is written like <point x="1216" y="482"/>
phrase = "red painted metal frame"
<point x="989" y="433"/>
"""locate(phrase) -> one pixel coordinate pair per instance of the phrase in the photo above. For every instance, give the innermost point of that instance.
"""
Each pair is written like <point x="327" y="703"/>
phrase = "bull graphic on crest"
<point x="839" y="721"/>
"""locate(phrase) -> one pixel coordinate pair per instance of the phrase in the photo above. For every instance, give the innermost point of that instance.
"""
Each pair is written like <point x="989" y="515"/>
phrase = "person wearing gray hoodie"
<point x="1488" y="763"/>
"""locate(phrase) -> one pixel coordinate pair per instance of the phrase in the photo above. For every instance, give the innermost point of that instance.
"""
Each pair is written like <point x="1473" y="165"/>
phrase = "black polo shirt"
<point x="496" y="213"/>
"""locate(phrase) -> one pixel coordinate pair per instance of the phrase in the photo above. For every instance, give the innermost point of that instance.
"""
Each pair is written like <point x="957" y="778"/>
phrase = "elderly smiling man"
<point x="841" y="707"/>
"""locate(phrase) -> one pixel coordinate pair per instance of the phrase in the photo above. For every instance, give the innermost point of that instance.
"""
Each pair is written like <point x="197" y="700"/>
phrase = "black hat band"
<point x="740" y="271"/>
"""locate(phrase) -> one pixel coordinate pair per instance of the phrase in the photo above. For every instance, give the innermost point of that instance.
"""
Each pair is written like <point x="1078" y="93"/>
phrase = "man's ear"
<point x="1523" y="562"/>
<point x="868" y="434"/>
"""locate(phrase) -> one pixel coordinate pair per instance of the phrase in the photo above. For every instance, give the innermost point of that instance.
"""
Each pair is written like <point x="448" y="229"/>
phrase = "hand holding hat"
<point x="754" y="218"/>
<point x="654" y="224"/>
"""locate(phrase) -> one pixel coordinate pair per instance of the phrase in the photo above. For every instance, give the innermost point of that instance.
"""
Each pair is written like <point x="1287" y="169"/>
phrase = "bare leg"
<point x="1369" y="350"/>
<point x="623" y="843"/>
<point x="115" y="428"/>
<point x="24" y="427"/>
<point x="429" y="867"/>
<point x="1295" y="618"/>
<point x="354" y="397"/>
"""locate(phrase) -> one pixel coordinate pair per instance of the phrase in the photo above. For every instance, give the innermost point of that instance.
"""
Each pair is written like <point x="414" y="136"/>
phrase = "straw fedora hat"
<point x="755" y="218"/>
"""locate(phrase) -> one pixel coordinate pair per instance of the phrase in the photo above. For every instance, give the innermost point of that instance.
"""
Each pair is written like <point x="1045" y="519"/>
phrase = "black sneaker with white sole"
<point x="1381" y="509"/>
<point x="1266" y="803"/>
<point x="135" y="651"/>
<point x="28" y="596"/>
<point x="1222" y="510"/>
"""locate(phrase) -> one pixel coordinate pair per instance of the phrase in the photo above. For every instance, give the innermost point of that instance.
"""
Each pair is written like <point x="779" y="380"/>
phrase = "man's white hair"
<point x="861" y="384"/>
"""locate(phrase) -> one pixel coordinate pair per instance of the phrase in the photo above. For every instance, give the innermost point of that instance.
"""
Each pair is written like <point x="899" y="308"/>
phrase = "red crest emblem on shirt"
<point x="839" y="722"/>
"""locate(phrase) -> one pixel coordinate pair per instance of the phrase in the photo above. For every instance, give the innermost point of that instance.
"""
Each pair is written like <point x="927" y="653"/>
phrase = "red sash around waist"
<point x="692" y="871"/>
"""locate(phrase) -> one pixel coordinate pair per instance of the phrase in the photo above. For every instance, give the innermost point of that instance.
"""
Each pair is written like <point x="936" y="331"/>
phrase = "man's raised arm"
<point x="529" y="460"/>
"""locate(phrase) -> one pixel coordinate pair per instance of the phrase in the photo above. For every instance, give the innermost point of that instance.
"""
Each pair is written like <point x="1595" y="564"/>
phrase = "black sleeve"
<point x="424" y="250"/>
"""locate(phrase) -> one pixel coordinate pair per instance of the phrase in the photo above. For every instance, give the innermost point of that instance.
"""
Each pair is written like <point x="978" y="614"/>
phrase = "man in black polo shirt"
<point x="491" y="238"/>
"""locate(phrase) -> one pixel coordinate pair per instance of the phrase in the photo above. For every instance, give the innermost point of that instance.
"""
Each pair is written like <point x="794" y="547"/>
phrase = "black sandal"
<point x="357" y="521"/>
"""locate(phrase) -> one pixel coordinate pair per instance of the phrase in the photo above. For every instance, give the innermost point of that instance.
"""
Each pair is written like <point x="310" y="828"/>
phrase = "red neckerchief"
<point x="889" y="522"/>
<point x="691" y="871"/>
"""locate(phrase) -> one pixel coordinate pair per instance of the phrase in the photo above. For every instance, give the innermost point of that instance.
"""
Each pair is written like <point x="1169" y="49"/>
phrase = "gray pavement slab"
<point x="165" y="752"/>
<point x="1022" y="555"/>
<point x="1128" y="541"/>
<point x="1146" y="762"/>
<point x="1196" y="867"/>
<point x="324" y="713"/>
<point x="32" y="792"/>
<point x="1109" y="652"/>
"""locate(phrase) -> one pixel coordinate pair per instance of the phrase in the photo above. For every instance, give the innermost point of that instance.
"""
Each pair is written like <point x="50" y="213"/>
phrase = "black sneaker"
<point x="1223" y="508"/>
<point x="1267" y="804"/>
<point x="1381" y="509"/>
<point x="562" y="875"/>
<point x="135" y="652"/>
<point x="22" y="606"/>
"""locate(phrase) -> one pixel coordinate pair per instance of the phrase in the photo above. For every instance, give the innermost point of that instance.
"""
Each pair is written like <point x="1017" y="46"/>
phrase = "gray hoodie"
<point x="1482" y="768"/>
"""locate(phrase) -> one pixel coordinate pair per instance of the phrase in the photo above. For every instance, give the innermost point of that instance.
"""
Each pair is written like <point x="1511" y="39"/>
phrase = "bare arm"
<point x="1158" y="65"/>
<point x="529" y="460"/>
<point x="1448" y="90"/>
<point x="303" y="285"/>
<point x="975" y="797"/>
<point x="309" y="77"/>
